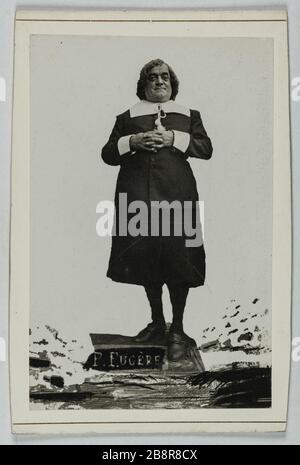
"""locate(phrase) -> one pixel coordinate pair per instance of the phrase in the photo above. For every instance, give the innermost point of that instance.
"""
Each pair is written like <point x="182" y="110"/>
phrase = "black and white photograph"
<point x="152" y="203"/>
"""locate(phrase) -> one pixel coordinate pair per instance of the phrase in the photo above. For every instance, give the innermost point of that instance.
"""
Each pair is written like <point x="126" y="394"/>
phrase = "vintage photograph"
<point x="151" y="153"/>
<point x="151" y="220"/>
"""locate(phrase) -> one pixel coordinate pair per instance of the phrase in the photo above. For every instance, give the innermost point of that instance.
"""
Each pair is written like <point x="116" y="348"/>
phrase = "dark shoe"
<point x="152" y="332"/>
<point x="178" y="344"/>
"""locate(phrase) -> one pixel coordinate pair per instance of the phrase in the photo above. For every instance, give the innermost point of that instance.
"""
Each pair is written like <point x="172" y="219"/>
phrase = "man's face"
<point x="158" y="88"/>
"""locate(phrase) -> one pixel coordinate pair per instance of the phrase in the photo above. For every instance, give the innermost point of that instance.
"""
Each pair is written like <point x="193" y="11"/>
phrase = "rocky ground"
<point x="236" y="351"/>
<point x="241" y="334"/>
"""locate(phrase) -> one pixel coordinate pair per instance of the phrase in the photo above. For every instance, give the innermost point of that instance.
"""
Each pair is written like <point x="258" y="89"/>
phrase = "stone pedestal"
<point x="115" y="352"/>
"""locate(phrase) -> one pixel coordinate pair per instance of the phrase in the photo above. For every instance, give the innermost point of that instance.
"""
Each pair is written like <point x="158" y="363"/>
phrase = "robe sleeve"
<point x="117" y="149"/>
<point x="199" y="145"/>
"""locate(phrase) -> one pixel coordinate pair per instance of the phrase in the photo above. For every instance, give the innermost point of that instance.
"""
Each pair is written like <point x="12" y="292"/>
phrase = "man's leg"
<point x="178" y="296"/>
<point x="158" y="325"/>
<point x="178" y="341"/>
<point x="154" y="294"/>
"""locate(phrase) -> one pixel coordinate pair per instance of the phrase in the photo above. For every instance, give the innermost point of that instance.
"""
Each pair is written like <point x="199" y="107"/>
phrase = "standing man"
<point x="151" y="142"/>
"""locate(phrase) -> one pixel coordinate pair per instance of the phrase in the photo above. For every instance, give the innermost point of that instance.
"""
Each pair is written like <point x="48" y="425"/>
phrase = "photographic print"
<point x="152" y="222"/>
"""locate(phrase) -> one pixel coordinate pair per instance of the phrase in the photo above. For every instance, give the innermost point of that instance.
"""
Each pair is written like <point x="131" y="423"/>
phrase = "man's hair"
<point x="145" y="71"/>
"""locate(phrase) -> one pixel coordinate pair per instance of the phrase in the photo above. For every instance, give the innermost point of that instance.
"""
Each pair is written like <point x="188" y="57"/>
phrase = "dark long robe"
<point x="164" y="175"/>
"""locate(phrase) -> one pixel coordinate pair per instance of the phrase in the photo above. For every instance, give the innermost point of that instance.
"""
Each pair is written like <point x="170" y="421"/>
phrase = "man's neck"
<point x="157" y="102"/>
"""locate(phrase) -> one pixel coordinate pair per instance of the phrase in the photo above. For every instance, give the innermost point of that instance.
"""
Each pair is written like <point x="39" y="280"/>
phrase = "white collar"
<point x="150" y="108"/>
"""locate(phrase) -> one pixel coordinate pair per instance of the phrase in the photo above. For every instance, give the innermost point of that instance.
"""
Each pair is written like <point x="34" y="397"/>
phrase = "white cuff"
<point x="123" y="145"/>
<point x="181" y="140"/>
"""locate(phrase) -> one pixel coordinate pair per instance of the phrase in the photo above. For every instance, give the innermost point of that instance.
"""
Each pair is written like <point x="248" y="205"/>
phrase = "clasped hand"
<point x="151" y="140"/>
